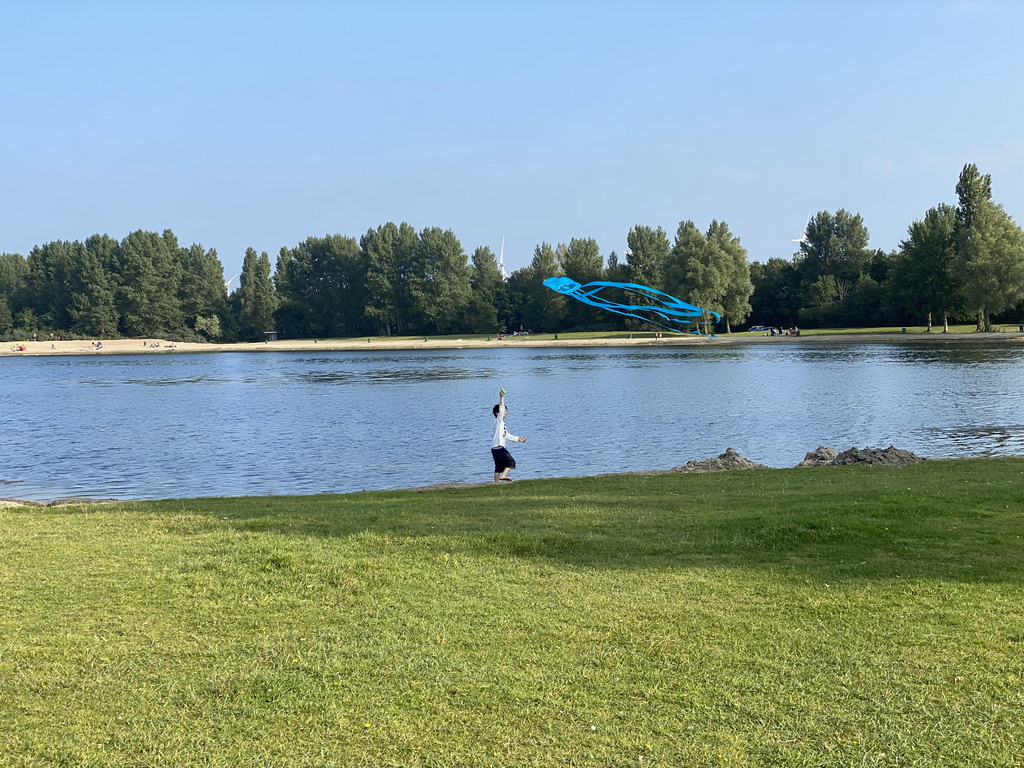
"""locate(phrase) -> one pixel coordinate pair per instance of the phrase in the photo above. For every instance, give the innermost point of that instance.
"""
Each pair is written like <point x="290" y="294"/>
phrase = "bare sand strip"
<point x="162" y="346"/>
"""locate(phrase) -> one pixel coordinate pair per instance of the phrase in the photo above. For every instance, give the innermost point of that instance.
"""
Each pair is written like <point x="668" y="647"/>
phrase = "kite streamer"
<point x="668" y="309"/>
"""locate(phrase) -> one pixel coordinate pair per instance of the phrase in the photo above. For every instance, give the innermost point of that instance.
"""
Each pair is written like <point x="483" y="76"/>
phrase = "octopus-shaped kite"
<point x="668" y="308"/>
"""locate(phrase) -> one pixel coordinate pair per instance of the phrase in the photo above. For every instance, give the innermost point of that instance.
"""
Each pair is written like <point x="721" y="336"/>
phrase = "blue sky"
<point x="241" y="124"/>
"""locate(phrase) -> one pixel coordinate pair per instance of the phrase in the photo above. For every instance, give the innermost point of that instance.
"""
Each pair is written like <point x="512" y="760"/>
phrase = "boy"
<point x="503" y="461"/>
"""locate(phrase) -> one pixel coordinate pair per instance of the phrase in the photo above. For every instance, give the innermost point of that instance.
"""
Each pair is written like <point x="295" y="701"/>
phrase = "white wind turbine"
<point x="501" y="260"/>
<point x="803" y="237"/>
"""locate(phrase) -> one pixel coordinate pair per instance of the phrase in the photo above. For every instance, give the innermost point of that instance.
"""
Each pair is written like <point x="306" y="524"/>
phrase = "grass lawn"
<point x="845" y="616"/>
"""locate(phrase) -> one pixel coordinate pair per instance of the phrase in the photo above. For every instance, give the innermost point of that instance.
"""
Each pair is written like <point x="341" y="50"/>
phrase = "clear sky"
<point x="245" y="123"/>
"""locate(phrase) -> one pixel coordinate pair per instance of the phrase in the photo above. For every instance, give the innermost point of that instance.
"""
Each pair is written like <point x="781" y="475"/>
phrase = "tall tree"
<point x="737" y="288"/>
<point x="973" y="189"/>
<point x="203" y="294"/>
<point x="700" y="266"/>
<point x="648" y="251"/>
<point x="256" y="296"/>
<point x="583" y="263"/>
<point x="13" y="279"/>
<point x="545" y="309"/>
<point x="439" y="284"/>
<point x="776" y="297"/>
<point x="836" y="246"/>
<point x="513" y="315"/>
<point x="150" y="280"/>
<point x="390" y="251"/>
<point x="616" y="271"/>
<point x="486" y="292"/>
<point x="6" y="316"/>
<point x="322" y="287"/>
<point x="290" y="317"/>
<point x="922" y="278"/>
<point x="991" y="261"/>
<point x="93" y="306"/>
<point x="50" y="270"/>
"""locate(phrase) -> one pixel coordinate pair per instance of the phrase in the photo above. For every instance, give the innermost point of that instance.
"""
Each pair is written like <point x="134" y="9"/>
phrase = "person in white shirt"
<point x="503" y="461"/>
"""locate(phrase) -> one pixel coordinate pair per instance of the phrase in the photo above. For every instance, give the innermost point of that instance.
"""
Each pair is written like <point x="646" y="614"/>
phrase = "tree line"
<point x="963" y="261"/>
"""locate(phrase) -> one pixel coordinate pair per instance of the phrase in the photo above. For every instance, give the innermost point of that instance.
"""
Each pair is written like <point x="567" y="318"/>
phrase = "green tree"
<point x="50" y="270"/>
<point x="208" y="327"/>
<point x="545" y="309"/>
<point x="26" y="322"/>
<point x="690" y="242"/>
<point x="513" y="315"/>
<point x="922" y="279"/>
<point x="6" y="318"/>
<point x="776" y="297"/>
<point x="256" y="296"/>
<point x="836" y="246"/>
<point x="322" y="287"/>
<point x="616" y="271"/>
<point x="439" y="283"/>
<point x="647" y="254"/>
<point x="93" y="304"/>
<point x="702" y="266"/>
<point x="486" y="292"/>
<point x="150" y="283"/>
<point x="290" y="317"/>
<point x="583" y="263"/>
<point x="203" y="293"/>
<point x="13" y="279"/>
<point x="991" y="262"/>
<point x="389" y="252"/>
<point x="737" y="288"/>
<point x="973" y="190"/>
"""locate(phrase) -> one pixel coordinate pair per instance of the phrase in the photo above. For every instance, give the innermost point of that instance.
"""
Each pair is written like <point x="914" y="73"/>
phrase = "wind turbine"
<point x="228" y="282"/>
<point x="501" y="260"/>
<point x="803" y="237"/>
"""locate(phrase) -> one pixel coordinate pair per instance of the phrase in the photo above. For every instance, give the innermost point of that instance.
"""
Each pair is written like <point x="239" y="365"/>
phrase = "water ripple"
<point x="235" y="424"/>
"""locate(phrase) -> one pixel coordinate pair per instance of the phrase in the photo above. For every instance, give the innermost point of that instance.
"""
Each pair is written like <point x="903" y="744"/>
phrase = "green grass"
<point x="847" y="616"/>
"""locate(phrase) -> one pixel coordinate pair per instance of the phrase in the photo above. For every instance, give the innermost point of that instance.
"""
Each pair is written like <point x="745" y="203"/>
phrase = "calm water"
<point x="169" y="426"/>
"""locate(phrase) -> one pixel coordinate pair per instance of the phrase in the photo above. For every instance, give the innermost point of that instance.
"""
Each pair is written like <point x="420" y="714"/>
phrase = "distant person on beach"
<point x="503" y="461"/>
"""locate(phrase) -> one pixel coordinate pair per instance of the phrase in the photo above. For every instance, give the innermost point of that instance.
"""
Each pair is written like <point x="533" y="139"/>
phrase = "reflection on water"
<point x="984" y="440"/>
<point x="240" y="424"/>
<point x="380" y="376"/>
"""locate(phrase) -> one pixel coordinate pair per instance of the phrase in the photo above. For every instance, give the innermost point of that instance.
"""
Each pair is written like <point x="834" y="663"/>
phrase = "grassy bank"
<point x="847" y="616"/>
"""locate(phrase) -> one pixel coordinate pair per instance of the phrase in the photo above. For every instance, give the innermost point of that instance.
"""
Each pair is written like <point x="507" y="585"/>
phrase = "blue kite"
<point x="668" y="308"/>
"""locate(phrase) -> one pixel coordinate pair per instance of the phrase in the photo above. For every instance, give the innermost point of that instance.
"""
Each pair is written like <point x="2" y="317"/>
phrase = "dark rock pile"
<point x="822" y="456"/>
<point x="727" y="461"/>
<point x="877" y="457"/>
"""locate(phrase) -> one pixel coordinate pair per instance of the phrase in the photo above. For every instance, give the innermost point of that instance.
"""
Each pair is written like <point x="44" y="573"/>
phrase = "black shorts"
<point x="502" y="459"/>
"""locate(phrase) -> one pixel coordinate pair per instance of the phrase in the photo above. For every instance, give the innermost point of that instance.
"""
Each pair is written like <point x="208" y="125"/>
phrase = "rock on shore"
<point x="878" y="457"/>
<point x="727" y="461"/>
<point x="822" y="456"/>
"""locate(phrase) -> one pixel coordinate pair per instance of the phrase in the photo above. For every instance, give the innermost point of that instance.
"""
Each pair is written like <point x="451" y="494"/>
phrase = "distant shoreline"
<point x="161" y="346"/>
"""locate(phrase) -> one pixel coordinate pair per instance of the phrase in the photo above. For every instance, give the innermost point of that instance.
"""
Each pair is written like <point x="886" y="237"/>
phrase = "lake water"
<point x="232" y="424"/>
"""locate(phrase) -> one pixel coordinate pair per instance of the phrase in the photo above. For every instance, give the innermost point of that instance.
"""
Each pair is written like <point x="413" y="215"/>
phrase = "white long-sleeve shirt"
<point x="501" y="433"/>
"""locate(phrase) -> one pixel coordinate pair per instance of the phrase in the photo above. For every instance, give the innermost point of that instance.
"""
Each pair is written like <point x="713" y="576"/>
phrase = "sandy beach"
<point x="163" y="346"/>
